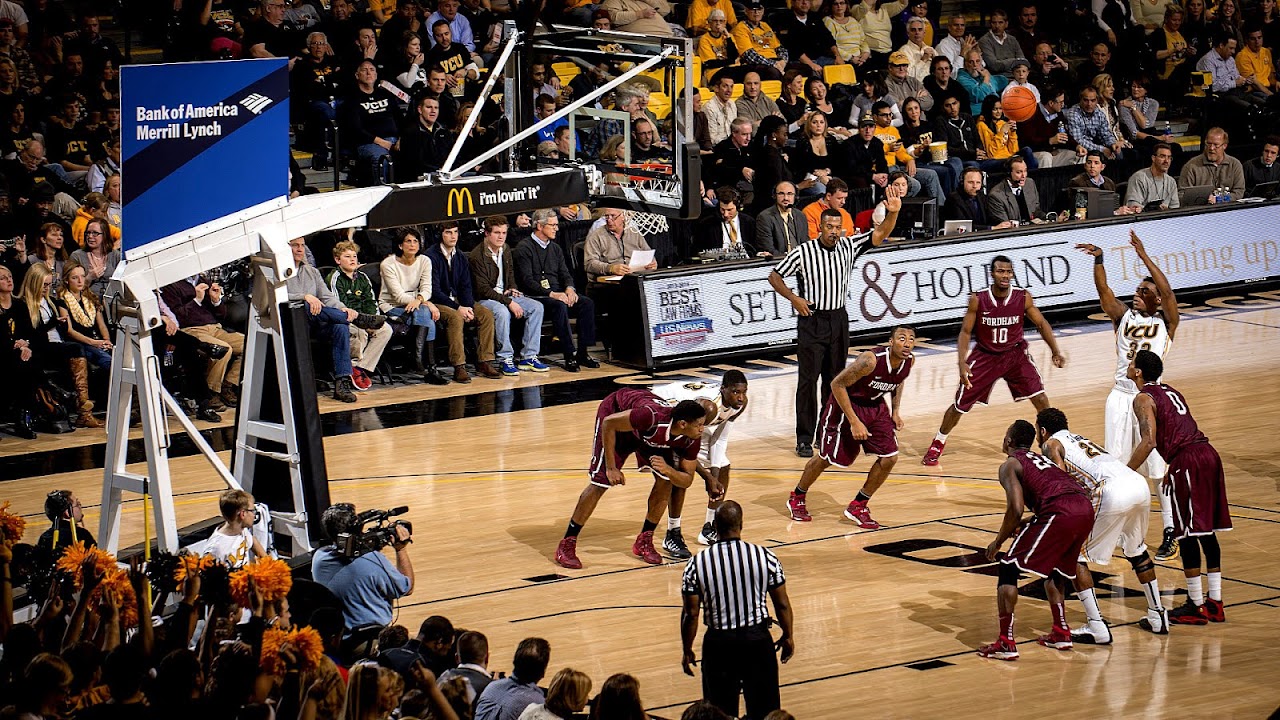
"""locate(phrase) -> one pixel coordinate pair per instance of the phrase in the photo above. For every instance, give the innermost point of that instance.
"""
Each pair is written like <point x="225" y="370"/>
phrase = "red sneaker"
<point x="360" y="380"/>
<point x="934" y="452"/>
<point x="1189" y="613"/>
<point x="1214" y="611"/>
<point x="795" y="506"/>
<point x="1001" y="649"/>
<point x="858" y="513"/>
<point x="1058" y="639"/>
<point x="643" y="548"/>
<point x="567" y="553"/>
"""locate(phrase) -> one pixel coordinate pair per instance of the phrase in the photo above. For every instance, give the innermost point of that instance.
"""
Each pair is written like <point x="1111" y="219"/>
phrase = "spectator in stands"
<point x="732" y="160"/>
<point x="66" y="518"/>
<point x="610" y="246"/>
<point x="106" y="162"/>
<point x="1174" y="55"/>
<point x="754" y="105"/>
<point x="807" y="40"/>
<point x="1016" y="198"/>
<point x="452" y="295"/>
<point x="876" y="17"/>
<point x="851" y="41"/>
<point x="1226" y="20"/>
<point x="341" y="26"/>
<point x="543" y="274"/>
<point x="408" y="64"/>
<point x="1263" y="169"/>
<point x="369" y="584"/>
<point x="32" y="182"/>
<point x="45" y="334"/>
<point x="1214" y="167"/>
<point x="438" y="88"/>
<point x="720" y="109"/>
<point x="619" y="698"/>
<point x="630" y="98"/>
<point x="366" y="48"/>
<point x="957" y="43"/>
<point x="1122" y="32"/>
<point x="899" y="156"/>
<point x="68" y="142"/>
<point x="999" y="136"/>
<point x="432" y="646"/>
<point x="726" y="229"/>
<point x="791" y="102"/>
<point x="1046" y="132"/>
<point x="267" y="37"/>
<point x="424" y="142"/>
<point x="836" y="111"/>
<point x="1265" y="14"/>
<point x="772" y="163"/>
<point x="507" y="698"/>
<point x="372" y="119"/>
<point x="232" y="543"/>
<point x="1110" y="109"/>
<point x="198" y="307"/>
<point x="95" y="206"/>
<point x="112" y="190"/>
<point x="1150" y="14"/>
<point x="28" y="79"/>
<point x="99" y="255"/>
<point x="81" y="309"/>
<point x="1087" y="125"/>
<point x="494" y="283"/>
<point x="473" y="665"/>
<point x="50" y="248"/>
<point x="461" y="66"/>
<point x="354" y="290"/>
<point x="898" y="181"/>
<point x="781" y="228"/>
<point x="700" y="11"/>
<point x="817" y="154"/>
<point x="1153" y="184"/>
<point x="460" y="30"/>
<point x="327" y="317"/>
<point x="567" y="695"/>
<point x="865" y="155"/>
<point x="978" y="82"/>
<point x="1027" y="33"/>
<point x="901" y="86"/>
<point x="1139" y="115"/>
<point x="645" y="17"/>
<point x="957" y="129"/>
<point x="408" y="18"/>
<point x="873" y="91"/>
<point x="969" y="202"/>
<point x="999" y="48"/>
<point x="15" y="130"/>
<point x="1020" y="78"/>
<point x="716" y="48"/>
<point x="916" y="138"/>
<point x="919" y="54"/>
<point x="20" y="367"/>
<point x="1255" y="65"/>
<point x="1092" y="176"/>
<point x="406" y="296"/>
<point x="940" y="84"/>
<point x="759" y="48"/>
<point x="837" y="193"/>
<point x="1048" y="69"/>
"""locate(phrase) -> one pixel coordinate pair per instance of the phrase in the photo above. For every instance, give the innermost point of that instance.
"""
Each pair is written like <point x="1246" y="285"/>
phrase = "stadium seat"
<point x="705" y="94"/>
<point x="840" y="75"/>
<point x="862" y="221"/>
<point x="659" y="104"/>
<point x="771" y="88"/>
<point x="737" y="91"/>
<point x="566" y="71"/>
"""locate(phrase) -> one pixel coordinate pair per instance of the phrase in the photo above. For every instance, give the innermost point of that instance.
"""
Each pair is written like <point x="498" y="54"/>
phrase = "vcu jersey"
<point x="1138" y="332"/>
<point x="678" y="391"/>
<point x="999" y="324"/>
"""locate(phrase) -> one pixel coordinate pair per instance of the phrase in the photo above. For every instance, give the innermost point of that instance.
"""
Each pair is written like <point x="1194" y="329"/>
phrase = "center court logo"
<point x="256" y="103"/>
<point x="460" y="198"/>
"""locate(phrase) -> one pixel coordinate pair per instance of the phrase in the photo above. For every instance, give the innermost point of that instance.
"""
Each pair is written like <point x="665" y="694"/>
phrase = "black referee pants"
<point x="741" y="662"/>
<point x="823" y="348"/>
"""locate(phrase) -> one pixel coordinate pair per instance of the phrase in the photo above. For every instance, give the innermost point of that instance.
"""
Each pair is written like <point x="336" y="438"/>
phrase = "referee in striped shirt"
<point x="732" y="578"/>
<point x="824" y="266"/>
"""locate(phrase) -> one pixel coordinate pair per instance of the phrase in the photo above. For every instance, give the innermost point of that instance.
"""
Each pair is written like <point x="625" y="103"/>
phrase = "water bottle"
<point x="1168" y="131"/>
<point x="168" y="357"/>
<point x="1226" y="194"/>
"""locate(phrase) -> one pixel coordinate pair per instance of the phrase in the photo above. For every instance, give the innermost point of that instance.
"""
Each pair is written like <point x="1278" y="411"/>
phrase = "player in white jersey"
<point x="730" y="400"/>
<point x="1149" y="324"/>
<point x="1122" y="505"/>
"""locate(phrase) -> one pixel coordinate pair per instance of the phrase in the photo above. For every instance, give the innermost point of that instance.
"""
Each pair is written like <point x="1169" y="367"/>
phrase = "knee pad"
<point x="1212" y="551"/>
<point x="1008" y="574"/>
<point x="1142" y="563"/>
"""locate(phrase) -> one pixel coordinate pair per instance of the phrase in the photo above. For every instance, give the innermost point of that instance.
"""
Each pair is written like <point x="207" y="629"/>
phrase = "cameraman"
<point x="366" y="585"/>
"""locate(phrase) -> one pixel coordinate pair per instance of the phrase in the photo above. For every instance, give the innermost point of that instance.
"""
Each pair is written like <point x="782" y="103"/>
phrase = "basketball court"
<point x="886" y="621"/>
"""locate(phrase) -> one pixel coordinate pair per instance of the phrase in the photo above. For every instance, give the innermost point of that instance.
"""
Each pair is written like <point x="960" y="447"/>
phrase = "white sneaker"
<point x="1156" y="621"/>
<point x="1092" y="633"/>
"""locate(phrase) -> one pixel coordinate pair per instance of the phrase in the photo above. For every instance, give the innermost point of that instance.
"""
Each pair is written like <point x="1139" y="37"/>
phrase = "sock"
<point x="862" y="497"/>
<point x="649" y="526"/>
<point x="798" y="491"/>
<point x="1195" y="590"/>
<point x="574" y="529"/>
<point x="1152" y="591"/>
<point x="1006" y="626"/>
<point x="940" y="437"/>
<point x="1215" y="586"/>
<point x="711" y="516"/>
<point x="1059" y="616"/>
<point x="1089" y="599"/>
<point x="673" y="523"/>
<point x="1166" y="505"/>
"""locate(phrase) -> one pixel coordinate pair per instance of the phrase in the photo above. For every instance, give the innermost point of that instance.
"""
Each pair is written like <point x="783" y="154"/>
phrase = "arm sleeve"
<point x="790" y="264"/>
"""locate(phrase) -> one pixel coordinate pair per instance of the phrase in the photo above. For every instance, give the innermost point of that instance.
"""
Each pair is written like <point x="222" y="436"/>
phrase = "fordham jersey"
<point x="1138" y="332"/>
<point x="1043" y="482"/>
<point x="1175" y="428"/>
<point x="999" y="324"/>
<point x="1087" y="462"/>
<point x="882" y="381"/>
<point x="677" y="391"/>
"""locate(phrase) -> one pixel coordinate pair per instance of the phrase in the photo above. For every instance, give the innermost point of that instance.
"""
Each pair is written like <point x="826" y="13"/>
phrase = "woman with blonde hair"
<point x="373" y="692"/>
<point x="566" y="696"/>
<point x="81" y="310"/>
<point x="44" y="332"/>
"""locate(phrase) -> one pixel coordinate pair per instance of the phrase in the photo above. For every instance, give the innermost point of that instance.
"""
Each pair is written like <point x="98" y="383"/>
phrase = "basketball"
<point x="1019" y="104"/>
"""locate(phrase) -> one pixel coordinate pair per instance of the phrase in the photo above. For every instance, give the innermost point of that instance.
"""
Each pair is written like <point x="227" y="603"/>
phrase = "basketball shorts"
<point x="1123" y="513"/>
<point x="1123" y="434"/>
<point x="1199" y="492"/>
<point x="836" y="444"/>
<point x="1051" y="542"/>
<point x="1014" y="366"/>
<point x="715" y="446"/>
<point x="625" y="443"/>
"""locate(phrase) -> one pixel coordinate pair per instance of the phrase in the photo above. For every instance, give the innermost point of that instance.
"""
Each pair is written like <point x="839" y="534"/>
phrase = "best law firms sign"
<point x="201" y="141"/>
<point x="733" y="308"/>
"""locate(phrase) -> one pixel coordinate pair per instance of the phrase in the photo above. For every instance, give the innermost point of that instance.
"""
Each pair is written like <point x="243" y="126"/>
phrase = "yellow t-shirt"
<point x="696" y="22"/>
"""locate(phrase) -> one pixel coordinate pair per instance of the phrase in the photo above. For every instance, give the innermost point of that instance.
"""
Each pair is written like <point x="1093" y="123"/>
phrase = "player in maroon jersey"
<point x="995" y="316"/>
<point x="855" y="417"/>
<point x="1047" y="544"/>
<point x="665" y="441"/>
<point x="1196" y="483"/>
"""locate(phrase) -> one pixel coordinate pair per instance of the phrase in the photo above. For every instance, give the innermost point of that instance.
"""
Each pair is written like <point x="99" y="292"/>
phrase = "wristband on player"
<point x="1097" y="259"/>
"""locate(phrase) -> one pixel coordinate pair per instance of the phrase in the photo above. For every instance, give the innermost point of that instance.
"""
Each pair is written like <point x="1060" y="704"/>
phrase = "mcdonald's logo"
<point x="463" y="199"/>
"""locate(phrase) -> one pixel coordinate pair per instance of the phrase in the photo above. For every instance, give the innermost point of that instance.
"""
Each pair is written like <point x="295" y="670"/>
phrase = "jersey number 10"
<point x="1000" y="335"/>
<point x="1179" y="404"/>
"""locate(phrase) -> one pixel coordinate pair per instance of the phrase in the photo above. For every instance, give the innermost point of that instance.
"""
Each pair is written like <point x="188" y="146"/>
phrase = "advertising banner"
<point x="201" y="140"/>
<point x="732" y="307"/>
<point x="480" y="196"/>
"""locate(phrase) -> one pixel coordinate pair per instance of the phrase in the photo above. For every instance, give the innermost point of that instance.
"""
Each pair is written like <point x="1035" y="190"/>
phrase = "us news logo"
<point x="256" y="103"/>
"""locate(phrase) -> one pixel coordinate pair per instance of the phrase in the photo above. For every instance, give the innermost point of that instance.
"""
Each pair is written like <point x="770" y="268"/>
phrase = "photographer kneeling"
<point x="353" y="567"/>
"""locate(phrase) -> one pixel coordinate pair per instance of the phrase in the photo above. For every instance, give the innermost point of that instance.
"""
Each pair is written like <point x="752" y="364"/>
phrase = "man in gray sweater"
<point x="327" y="317"/>
<point x="1154" y="184"/>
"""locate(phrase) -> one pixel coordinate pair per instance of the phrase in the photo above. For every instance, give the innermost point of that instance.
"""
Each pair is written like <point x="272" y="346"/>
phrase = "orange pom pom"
<point x="116" y="581"/>
<point x="273" y="578"/>
<point x="191" y="563"/>
<point x="11" y="526"/>
<point x="305" y="644"/>
<point x="74" y="555"/>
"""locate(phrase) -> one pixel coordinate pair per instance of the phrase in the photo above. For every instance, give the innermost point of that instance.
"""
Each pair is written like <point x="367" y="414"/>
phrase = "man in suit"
<point x="969" y="202"/>
<point x="1016" y="198"/>
<point x="730" y="227"/>
<point x="781" y="227"/>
